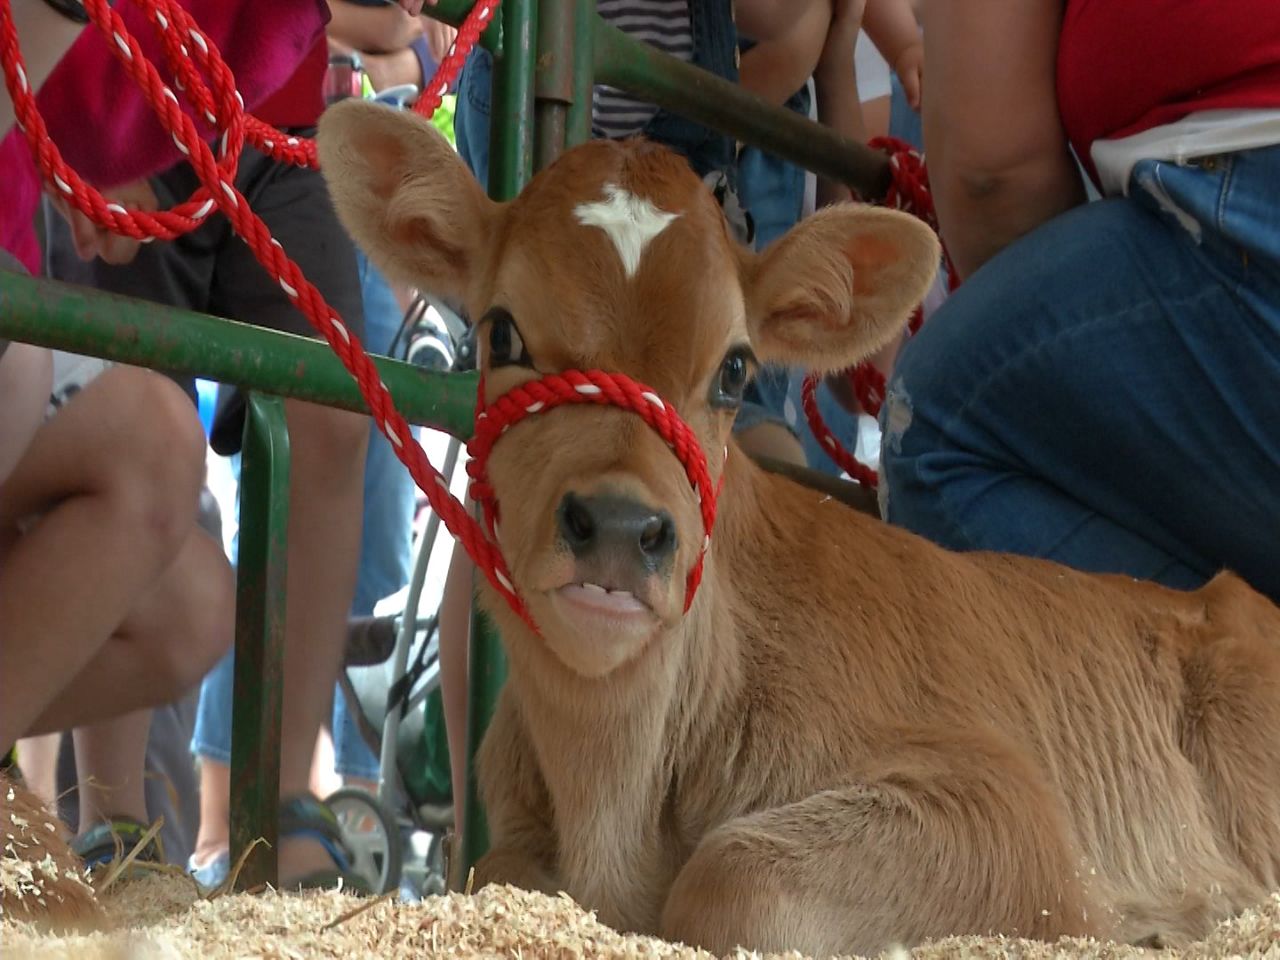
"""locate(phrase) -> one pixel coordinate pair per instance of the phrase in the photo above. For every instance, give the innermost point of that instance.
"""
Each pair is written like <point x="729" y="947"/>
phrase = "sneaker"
<point x="212" y="874"/>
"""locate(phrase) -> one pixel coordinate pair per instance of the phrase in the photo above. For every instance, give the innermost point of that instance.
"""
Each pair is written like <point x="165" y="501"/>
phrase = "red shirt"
<point x="1125" y="66"/>
<point x="300" y="101"/>
<point x="106" y="130"/>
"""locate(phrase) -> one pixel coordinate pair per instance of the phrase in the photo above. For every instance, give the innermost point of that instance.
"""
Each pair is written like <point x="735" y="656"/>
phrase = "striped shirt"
<point x="660" y="23"/>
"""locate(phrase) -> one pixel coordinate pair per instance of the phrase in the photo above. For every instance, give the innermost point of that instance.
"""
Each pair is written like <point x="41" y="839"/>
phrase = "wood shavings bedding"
<point x="162" y="917"/>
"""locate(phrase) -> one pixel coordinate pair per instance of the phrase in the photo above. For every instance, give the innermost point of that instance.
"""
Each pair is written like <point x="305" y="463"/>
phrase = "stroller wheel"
<point x="372" y="835"/>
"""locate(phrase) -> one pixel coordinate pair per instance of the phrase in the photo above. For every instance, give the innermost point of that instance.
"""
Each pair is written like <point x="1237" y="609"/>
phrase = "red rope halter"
<point x="218" y="102"/>
<point x="603" y="389"/>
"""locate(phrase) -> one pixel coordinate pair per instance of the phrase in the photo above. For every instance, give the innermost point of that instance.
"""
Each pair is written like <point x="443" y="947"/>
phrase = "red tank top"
<point x="1125" y="66"/>
<point x="300" y="101"/>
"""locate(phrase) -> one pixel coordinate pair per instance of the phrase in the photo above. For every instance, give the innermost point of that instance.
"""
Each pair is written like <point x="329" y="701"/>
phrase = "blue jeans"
<point x="1103" y="391"/>
<point x="385" y="559"/>
<point x="472" y="115"/>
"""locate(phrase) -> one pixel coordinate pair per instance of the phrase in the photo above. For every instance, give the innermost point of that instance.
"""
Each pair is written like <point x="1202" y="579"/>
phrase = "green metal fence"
<point x="547" y="55"/>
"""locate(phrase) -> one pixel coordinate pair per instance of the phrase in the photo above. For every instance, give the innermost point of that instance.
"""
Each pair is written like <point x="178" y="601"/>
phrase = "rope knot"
<point x="599" y="388"/>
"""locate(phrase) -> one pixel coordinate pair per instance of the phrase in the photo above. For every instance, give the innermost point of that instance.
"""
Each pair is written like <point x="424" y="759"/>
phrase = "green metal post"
<point x="579" y="119"/>
<point x="655" y="77"/>
<point x="553" y="79"/>
<point x="259" y="661"/>
<point x="510" y="167"/>
<point x="511" y="130"/>
<point x="487" y="674"/>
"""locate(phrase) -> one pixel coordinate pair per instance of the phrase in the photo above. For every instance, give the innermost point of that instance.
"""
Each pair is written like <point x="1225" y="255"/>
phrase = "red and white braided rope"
<point x="222" y="106"/>
<point x="602" y="389"/>
<point x="908" y="191"/>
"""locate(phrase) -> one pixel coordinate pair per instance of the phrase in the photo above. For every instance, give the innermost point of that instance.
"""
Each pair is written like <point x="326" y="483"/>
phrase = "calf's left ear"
<point x="838" y="285"/>
<point x="406" y="197"/>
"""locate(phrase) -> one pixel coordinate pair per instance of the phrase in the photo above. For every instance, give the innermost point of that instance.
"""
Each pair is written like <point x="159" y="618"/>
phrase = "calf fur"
<point x="853" y="738"/>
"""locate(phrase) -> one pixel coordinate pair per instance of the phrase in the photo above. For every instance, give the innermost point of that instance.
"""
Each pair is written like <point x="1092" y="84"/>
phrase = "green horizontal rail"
<point x="81" y="320"/>
<point x="692" y="92"/>
<point x="453" y="12"/>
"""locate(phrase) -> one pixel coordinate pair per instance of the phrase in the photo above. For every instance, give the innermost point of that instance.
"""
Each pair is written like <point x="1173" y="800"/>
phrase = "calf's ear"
<point x="406" y="197"/>
<point x="838" y="285"/>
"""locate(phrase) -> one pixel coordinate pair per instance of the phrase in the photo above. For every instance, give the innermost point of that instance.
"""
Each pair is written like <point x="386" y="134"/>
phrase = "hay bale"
<point x="163" y="917"/>
<point x="41" y="880"/>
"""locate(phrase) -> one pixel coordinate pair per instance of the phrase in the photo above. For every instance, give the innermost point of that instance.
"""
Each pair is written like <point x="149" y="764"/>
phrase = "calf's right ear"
<point x="406" y="198"/>
<point x="838" y="285"/>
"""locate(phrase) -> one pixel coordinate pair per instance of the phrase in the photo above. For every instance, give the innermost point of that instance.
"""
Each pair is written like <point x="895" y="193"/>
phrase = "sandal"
<point x="114" y="839"/>
<point x="306" y="817"/>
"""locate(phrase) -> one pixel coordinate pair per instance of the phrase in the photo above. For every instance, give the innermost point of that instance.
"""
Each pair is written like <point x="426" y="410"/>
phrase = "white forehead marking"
<point x="630" y="222"/>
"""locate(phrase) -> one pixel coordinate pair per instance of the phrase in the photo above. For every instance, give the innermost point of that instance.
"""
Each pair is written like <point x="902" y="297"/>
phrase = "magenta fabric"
<point x="106" y="131"/>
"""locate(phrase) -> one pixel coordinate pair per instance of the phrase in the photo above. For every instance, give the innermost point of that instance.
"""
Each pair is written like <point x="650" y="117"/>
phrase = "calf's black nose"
<point x="624" y="528"/>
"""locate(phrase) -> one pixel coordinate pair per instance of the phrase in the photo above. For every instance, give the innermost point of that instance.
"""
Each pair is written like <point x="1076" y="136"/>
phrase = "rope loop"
<point x="600" y="388"/>
<point x="909" y="192"/>
<point x="205" y="81"/>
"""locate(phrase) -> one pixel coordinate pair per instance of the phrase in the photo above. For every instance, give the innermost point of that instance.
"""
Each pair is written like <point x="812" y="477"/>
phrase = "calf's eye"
<point x="732" y="380"/>
<point x="505" y="346"/>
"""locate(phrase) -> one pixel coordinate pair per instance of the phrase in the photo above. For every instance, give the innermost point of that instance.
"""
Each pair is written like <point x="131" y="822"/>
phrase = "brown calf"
<point x="853" y="738"/>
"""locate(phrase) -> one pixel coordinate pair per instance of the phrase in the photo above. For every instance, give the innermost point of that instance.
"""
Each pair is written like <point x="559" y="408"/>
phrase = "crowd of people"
<point x="1094" y="391"/>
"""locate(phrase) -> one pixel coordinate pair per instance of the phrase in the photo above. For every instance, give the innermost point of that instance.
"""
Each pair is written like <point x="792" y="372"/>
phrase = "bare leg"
<point x="110" y="763"/>
<point x="38" y="761"/>
<point x="214" y="836"/>
<point x="324" y="780"/>
<point x="173" y="636"/>
<point x="26" y="377"/>
<point x="114" y="479"/>
<point x="325" y="509"/>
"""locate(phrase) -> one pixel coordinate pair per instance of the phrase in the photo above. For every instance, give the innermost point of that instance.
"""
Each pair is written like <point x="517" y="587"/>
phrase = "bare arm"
<point x="998" y="159"/>
<point x="836" y="87"/>
<point x="371" y="29"/>
<point x="44" y="35"/>
<point x="891" y="25"/>
<point x="769" y="19"/>
<point x="388" y="70"/>
<point x="778" y="67"/>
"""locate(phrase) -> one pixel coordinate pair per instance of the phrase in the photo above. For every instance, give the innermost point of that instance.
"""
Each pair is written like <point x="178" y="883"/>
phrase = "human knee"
<point x="154" y="453"/>
<point x="203" y="592"/>
<point x="213" y="610"/>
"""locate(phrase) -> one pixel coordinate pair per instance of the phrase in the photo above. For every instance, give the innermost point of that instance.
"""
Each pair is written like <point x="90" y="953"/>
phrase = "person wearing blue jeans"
<point x="385" y="558"/>
<point x="1101" y="390"/>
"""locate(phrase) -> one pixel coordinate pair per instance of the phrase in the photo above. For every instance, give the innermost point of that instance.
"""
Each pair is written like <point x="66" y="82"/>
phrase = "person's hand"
<point x="93" y="241"/>
<point x="440" y="37"/>
<point x="910" y="70"/>
<point x="415" y="6"/>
